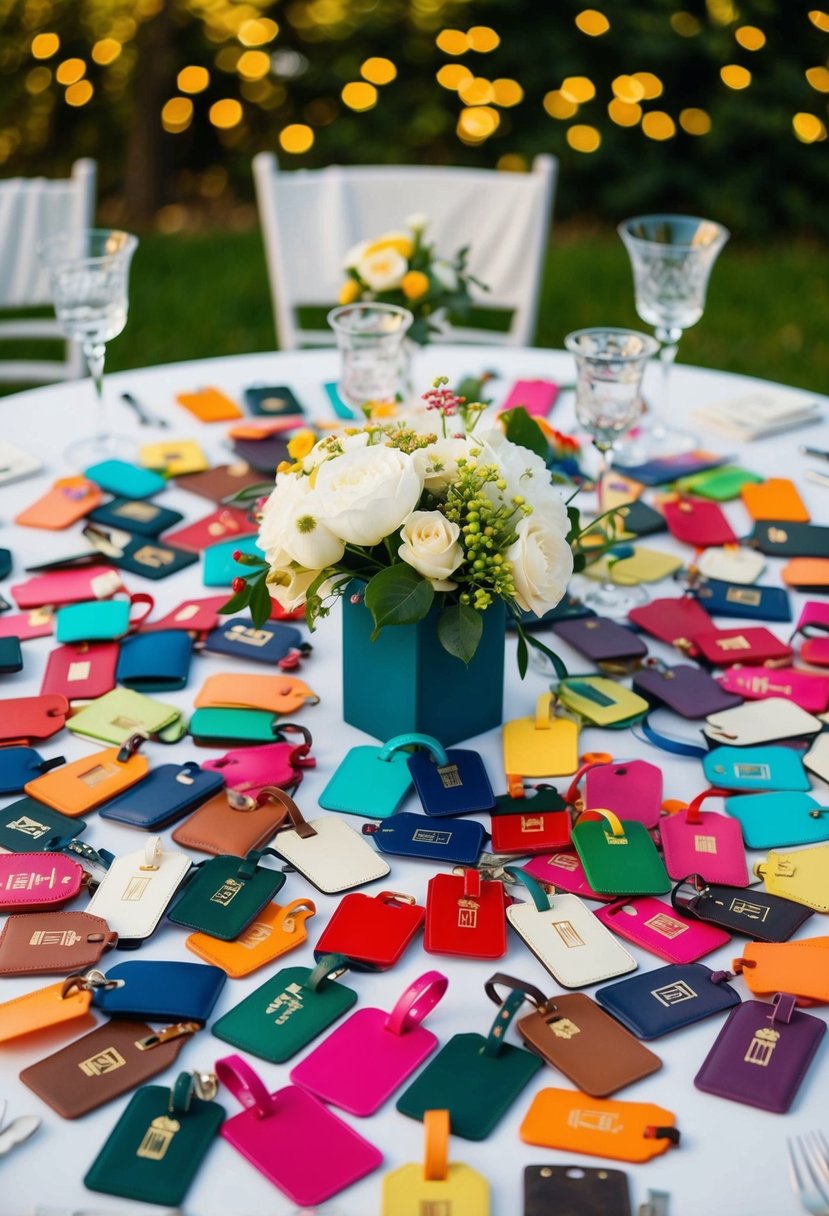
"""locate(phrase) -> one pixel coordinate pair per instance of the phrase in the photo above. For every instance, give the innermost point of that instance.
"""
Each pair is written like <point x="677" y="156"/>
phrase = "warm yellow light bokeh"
<point x="651" y="85"/>
<point x="358" y="95"/>
<point x="583" y="138"/>
<point x="177" y="114"/>
<point x="378" y="71"/>
<point x="477" y="91"/>
<point x="578" y="89"/>
<point x="477" y="123"/>
<point x="253" y="65"/>
<point x="70" y="71"/>
<point x="818" y="78"/>
<point x="557" y="105"/>
<point x="256" y="31"/>
<point x="452" y="75"/>
<point x="297" y="138"/>
<point x="722" y="12"/>
<point x="37" y="80"/>
<point x="624" y="113"/>
<point x="735" y="76"/>
<point x="226" y="113"/>
<point x="482" y="39"/>
<point x="658" y="125"/>
<point x="106" y="51"/>
<point x="820" y="19"/>
<point x="507" y="92"/>
<point x="628" y="88"/>
<point x="590" y="21"/>
<point x="44" y="46"/>
<point x="695" y="121"/>
<point x="750" y="38"/>
<point x="193" y="79"/>
<point x="808" y="128"/>
<point x="685" y="24"/>
<point x="79" y="94"/>
<point x="452" y="42"/>
<point x="512" y="162"/>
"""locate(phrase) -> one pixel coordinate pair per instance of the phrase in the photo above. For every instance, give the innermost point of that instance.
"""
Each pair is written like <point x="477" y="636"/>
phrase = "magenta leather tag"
<point x="36" y="882"/>
<point x="810" y="692"/>
<point x="371" y="1054"/>
<point x="565" y="871"/>
<point x="655" y="926"/>
<point x="632" y="790"/>
<point x="250" y="769"/>
<point x="291" y="1138"/>
<point x="701" y="842"/>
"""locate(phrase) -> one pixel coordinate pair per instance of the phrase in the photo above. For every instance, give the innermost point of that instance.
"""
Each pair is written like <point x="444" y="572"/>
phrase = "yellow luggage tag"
<point x="601" y="702"/>
<point x="801" y="876"/>
<point x="437" y="1186"/>
<point x="543" y="746"/>
<point x="643" y="566"/>
<point x="176" y="457"/>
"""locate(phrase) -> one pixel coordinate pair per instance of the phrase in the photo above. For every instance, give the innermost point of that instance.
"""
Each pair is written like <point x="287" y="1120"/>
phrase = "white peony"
<point x="445" y="274"/>
<point x="541" y="561"/>
<point x="354" y="254"/>
<point x="431" y="547"/>
<point x="332" y="445"/>
<point x="382" y="270"/>
<point x="288" y="584"/>
<point x="524" y="472"/>
<point x="366" y="494"/>
<point x="438" y="464"/>
<point x="291" y="530"/>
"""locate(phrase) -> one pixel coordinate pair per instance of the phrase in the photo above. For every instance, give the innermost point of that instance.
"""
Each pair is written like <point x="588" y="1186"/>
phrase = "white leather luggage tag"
<point x="137" y="889"/>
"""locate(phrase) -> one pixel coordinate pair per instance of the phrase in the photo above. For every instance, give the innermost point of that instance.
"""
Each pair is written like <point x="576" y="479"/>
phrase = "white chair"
<point x="30" y="210"/>
<point x="310" y="218"/>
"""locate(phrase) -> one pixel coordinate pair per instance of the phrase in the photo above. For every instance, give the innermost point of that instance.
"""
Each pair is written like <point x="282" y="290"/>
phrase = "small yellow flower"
<point x="400" y="241"/>
<point x="284" y="466"/>
<point x="415" y="284"/>
<point x="300" y="444"/>
<point x="349" y="292"/>
<point x="382" y="409"/>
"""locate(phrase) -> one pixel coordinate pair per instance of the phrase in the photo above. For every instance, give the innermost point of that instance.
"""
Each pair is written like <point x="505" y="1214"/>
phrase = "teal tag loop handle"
<point x="539" y="896"/>
<point x="414" y="739"/>
<point x="498" y="1029"/>
<point x="325" y="969"/>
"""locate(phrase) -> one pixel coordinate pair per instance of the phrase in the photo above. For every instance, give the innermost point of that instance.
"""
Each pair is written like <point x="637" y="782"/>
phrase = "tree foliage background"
<point x="710" y="106"/>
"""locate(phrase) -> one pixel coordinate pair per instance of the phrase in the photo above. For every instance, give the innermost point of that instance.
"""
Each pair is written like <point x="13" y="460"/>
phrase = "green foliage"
<point x="459" y="629"/>
<point x="522" y="429"/>
<point x="397" y="595"/>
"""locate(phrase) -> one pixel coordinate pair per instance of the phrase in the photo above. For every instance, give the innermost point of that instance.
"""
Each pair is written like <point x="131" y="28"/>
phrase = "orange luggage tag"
<point x="274" y="932"/>
<point x="68" y="500"/>
<point x="801" y="968"/>
<point x="543" y="746"/>
<point x="437" y="1185"/>
<point x="210" y="405"/>
<point x="73" y="789"/>
<point x="62" y="1002"/>
<point x="277" y="694"/>
<point x="599" y="1127"/>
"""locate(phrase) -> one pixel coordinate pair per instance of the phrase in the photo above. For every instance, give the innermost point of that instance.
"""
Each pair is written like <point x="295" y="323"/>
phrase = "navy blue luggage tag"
<point x="452" y="782"/>
<point x="749" y="603"/>
<point x="21" y="764"/>
<point x="409" y="835"/>
<point x="163" y="797"/>
<point x="238" y="638"/>
<point x="158" y="990"/>
<point x="11" y="656"/>
<point x="136" y="515"/>
<point x="144" y="555"/>
<point x="155" y="662"/>
<point x="668" y="998"/>
<point x="27" y="826"/>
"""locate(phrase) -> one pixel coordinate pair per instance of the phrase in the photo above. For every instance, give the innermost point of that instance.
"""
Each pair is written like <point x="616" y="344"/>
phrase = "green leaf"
<point x="525" y="431"/>
<point x="249" y="493"/>
<point x="459" y="630"/>
<point x="558" y="664"/>
<point x="397" y="595"/>
<point x="574" y="516"/>
<point x="579" y="562"/>
<point x="237" y="602"/>
<point x="522" y="654"/>
<point x="260" y="603"/>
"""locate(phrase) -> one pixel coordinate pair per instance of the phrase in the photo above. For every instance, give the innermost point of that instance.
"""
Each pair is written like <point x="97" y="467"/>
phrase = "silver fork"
<point x="809" y="1171"/>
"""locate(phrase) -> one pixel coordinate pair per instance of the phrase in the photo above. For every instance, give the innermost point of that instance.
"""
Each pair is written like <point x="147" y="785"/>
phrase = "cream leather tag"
<point x="570" y="941"/>
<point x="334" y="859"/>
<point x="137" y="889"/>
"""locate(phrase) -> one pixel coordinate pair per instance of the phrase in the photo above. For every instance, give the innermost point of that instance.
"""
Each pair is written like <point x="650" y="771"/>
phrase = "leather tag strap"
<point x="436" y="1149"/>
<point x="250" y="865"/>
<point x="417" y="1002"/>
<point x="544" y="711"/>
<point x="613" y="821"/>
<point x="245" y="1085"/>
<point x="534" y="995"/>
<point x="414" y="739"/>
<point x="573" y="797"/>
<point x="329" y="966"/>
<point x="498" y="1029"/>
<point x="392" y="897"/>
<point x="539" y="896"/>
<point x="271" y="793"/>
<point x="472" y="884"/>
<point x="686" y="894"/>
<point x="693" y="815"/>
<point x="784" y="1006"/>
<point x="140" y="599"/>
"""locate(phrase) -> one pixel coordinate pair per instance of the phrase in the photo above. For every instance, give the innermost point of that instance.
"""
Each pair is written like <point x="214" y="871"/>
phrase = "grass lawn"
<point x="767" y="315"/>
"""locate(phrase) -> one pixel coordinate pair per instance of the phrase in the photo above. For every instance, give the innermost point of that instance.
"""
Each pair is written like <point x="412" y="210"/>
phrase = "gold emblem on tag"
<point x="744" y="595"/>
<point x="226" y="893"/>
<point x="705" y="844"/>
<point x="595" y="1120"/>
<point x="761" y="1048"/>
<point x="151" y="555"/>
<point x="78" y="671"/>
<point x="665" y="926"/>
<point x="778" y="536"/>
<point x="157" y="1138"/>
<point x="532" y="823"/>
<point x="135" y="889"/>
<point x="251" y="637"/>
<point x="567" y="933"/>
<point x="564" y="1028"/>
<point x="108" y="1060"/>
<point x="286" y="1004"/>
<point x="28" y="827"/>
<point x="54" y="937"/>
<point x="738" y="643"/>
<point x="674" y="994"/>
<point x="141" y="511"/>
<point x="450" y="777"/>
<point x="254" y="935"/>
<point x="467" y="914"/>
<point x="744" y="907"/>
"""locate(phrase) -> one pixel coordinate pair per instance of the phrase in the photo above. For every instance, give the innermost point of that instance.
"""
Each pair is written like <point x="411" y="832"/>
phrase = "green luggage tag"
<point x="618" y="856"/>
<point x="476" y="1079"/>
<point x="158" y="1144"/>
<point x="216" y="727"/>
<point x="226" y="894"/>
<point x="720" y="484"/>
<point x="288" y="1011"/>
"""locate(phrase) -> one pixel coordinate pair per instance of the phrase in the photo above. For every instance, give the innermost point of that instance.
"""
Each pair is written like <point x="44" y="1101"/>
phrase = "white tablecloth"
<point x="731" y="1159"/>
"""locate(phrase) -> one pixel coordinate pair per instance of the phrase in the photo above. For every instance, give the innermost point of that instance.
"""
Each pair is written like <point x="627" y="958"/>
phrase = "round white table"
<point x="732" y="1158"/>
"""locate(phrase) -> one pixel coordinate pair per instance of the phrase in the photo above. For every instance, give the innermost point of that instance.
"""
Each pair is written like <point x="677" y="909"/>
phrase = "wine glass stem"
<point x="605" y="451"/>
<point x="669" y="338"/>
<point x="95" y="353"/>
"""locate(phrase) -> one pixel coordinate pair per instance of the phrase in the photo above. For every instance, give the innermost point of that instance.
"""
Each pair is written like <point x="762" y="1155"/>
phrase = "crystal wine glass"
<point x="371" y="339"/>
<point x="672" y="257"/>
<point x="89" y="278"/>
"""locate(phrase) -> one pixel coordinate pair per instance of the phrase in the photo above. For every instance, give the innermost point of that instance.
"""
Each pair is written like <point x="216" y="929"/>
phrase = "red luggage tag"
<point x="38" y="882"/>
<point x="528" y="820"/>
<point x="225" y="524"/>
<point x="466" y="916"/>
<point x="675" y="621"/>
<point x="724" y="647"/>
<point x="25" y="719"/>
<point x="659" y="928"/>
<point x="197" y="616"/>
<point x="39" y="623"/>
<point x="698" y="522"/>
<point x="371" y="931"/>
<point x="81" y="671"/>
<point x="701" y="842"/>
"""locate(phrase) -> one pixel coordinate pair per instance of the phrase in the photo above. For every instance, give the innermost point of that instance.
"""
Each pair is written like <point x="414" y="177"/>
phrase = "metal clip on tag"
<point x="88" y="981"/>
<point x="178" y="1031"/>
<point x="491" y="867"/>
<point x="131" y="746"/>
<point x="657" y="1204"/>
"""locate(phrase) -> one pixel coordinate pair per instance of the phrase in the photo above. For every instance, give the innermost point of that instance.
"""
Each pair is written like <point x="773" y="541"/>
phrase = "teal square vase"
<point x="405" y="681"/>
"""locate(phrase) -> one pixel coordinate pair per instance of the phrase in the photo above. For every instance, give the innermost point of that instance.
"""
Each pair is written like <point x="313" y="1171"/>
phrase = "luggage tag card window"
<point x="408" y="835"/>
<point x="601" y="702"/>
<point x="163" y="797"/>
<point x="53" y="943"/>
<point x="536" y="822"/>
<point x="796" y="967"/>
<point x="288" y="1011"/>
<point x="142" y="555"/>
<point x="396" y="1043"/>
<point x="275" y="932"/>
<point x="599" y="1127"/>
<point x="748" y="911"/>
<point x="449" y="782"/>
<point x="37" y="882"/>
<point x="688" y="691"/>
<point x="135" y="515"/>
<point x="768" y="721"/>
<point x="155" y="662"/>
<point x="291" y="1117"/>
<point x="769" y="821"/>
<point x="122" y="713"/>
<point x="762" y="1054"/>
<point x="45" y="1008"/>
<point x="27" y="826"/>
<point x="668" y="999"/>
<point x="465" y="916"/>
<point x="618" y="856"/>
<point x="158" y="990"/>
<point x="238" y="638"/>
<point x="79" y="787"/>
<point x="157" y="1146"/>
<point x="541" y="746"/>
<point x="81" y="672"/>
<point x="137" y="889"/>
<point x="26" y="720"/>
<point x="372" y="932"/>
<point x="21" y="764"/>
<point x="603" y="640"/>
<point x="437" y="1185"/>
<point x="809" y="692"/>
<point x="802" y="876"/>
<point x="660" y="929"/>
<point x="702" y="842"/>
<point x="748" y="603"/>
<point x="475" y="1078"/>
<point x="227" y="894"/>
<point x="565" y="937"/>
<point x="745" y="769"/>
<point x="371" y="781"/>
<point x="104" y="1064"/>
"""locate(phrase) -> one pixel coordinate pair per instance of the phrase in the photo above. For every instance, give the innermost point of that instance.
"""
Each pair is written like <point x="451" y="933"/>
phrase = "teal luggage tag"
<point x="373" y="781"/>
<point x="219" y="727"/>
<point x="219" y="567"/>
<point x="746" y="769"/>
<point x="774" y="820"/>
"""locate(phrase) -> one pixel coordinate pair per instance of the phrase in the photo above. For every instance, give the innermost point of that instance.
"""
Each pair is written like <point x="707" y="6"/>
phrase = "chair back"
<point x="311" y="218"/>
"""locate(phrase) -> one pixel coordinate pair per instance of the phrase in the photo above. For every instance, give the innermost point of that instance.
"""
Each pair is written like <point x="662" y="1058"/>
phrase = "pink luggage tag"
<point x="632" y="790"/>
<point x="564" y="871"/>
<point x="249" y="770"/>
<point x="38" y="882"/>
<point x="289" y="1136"/>
<point x="361" y="1063"/>
<point x="808" y="691"/>
<point x="72" y="586"/>
<point x="655" y="926"/>
<point x="39" y="623"/>
<point x="813" y="624"/>
<point x="536" y="396"/>
<point x="701" y="842"/>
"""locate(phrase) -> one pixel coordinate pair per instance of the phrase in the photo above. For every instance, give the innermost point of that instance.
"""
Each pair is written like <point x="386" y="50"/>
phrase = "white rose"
<point x="332" y="445"/>
<point x="446" y="275"/>
<point x="418" y="221"/>
<point x="542" y="563"/>
<point x="438" y="464"/>
<point x="289" y="585"/>
<point x="525" y="474"/>
<point x="382" y="270"/>
<point x="366" y="494"/>
<point x="431" y="547"/>
<point x="354" y="254"/>
<point x="291" y="530"/>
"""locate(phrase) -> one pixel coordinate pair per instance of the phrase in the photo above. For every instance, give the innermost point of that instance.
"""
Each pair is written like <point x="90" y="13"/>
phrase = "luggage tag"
<point x="396" y="1043"/>
<point x="813" y="627"/>
<point x="371" y="931"/>
<point x="745" y="769"/>
<point x="572" y="1034"/>
<point x="601" y="702"/>
<point x="537" y="397"/>
<point x="67" y="501"/>
<point x="575" y="1191"/>
<point x="45" y="1008"/>
<point x="779" y="538"/>
<point x="777" y="498"/>
<point x="642" y="566"/>
<point x="219" y="566"/>
<point x="212" y="727"/>
<point x="795" y="967"/>
<point x="226" y="894"/>
<point x="73" y="789"/>
<point x="163" y="797"/>
<point x="275" y="932"/>
<point x="674" y="621"/>
<point x="125" y="480"/>
<point x="11" y="656"/>
<point x="81" y="672"/>
<point x="288" y="1011"/>
<point x="658" y="928"/>
<point x="21" y="764"/>
<point x="437" y="1184"/>
<point x="806" y="573"/>
<point x="632" y="789"/>
<point x="603" y="641"/>
<point x="25" y="720"/>
<point x="118" y="715"/>
<point x="249" y="770"/>
<point x="744" y="910"/>
<point x="263" y="452"/>
<point x="809" y="692"/>
<point x="277" y="694"/>
<point x="571" y="944"/>
<point x="668" y="999"/>
<point x="747" y="603"/>
<point x="282" y="1135"/>
<point x="723" y="647"/>
<point x="698" y="522"/>
<point x="565" y="871"/>
<point x="762" y="1054"/>
<point x="408" y="835"/>
<point x="536" y="822"/>
<point x="639" y="519"/>
<point x="721" y="485"/>
<point x="37" y="882"/>
<point x="135" y="515"/>
<point x="144" y="555"/>
<point x="449" y="782"/>
<point x="39" y="623"/>
<point x="816" y="759"/>
<point x="465" y="916"/>
<point x="802" y="877"/>
<point x="599" y="1127"/>
<point x="155" y="662"/>
<point x="541" y="746"/>
<point x="196" y="617"/>
<point x="158" y="990"/>
<point x="53" y="943"/>
<point x="618" y="855"/>
<point x="27" y="826"/>
<point x="570" y="607"/>
<point x="372" y="781"/>
<point x="226" y="824"/>
<point x="137" y="889"/>
<point x="475" y="1078"/>
<point x="157" y="1146"/>
<point x="272" y="401"/>
<point x="732" y="564"/>
<point x="101" y="620"/>
<point x="768" y="821"/>
<point x="220" y="482"/>
<point x="104" y="1064"/>
<point x="209" y="405"/>
<point x="701" y="842"/>
<point x="174" y="458"/>
<point x="271" y="644"/>
<point x="222" y="524"/>
<point x="5" y="563"/>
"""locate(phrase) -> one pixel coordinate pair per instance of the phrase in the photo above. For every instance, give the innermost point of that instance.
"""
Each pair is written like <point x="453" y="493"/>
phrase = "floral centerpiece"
<point x="403" y="268"/>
